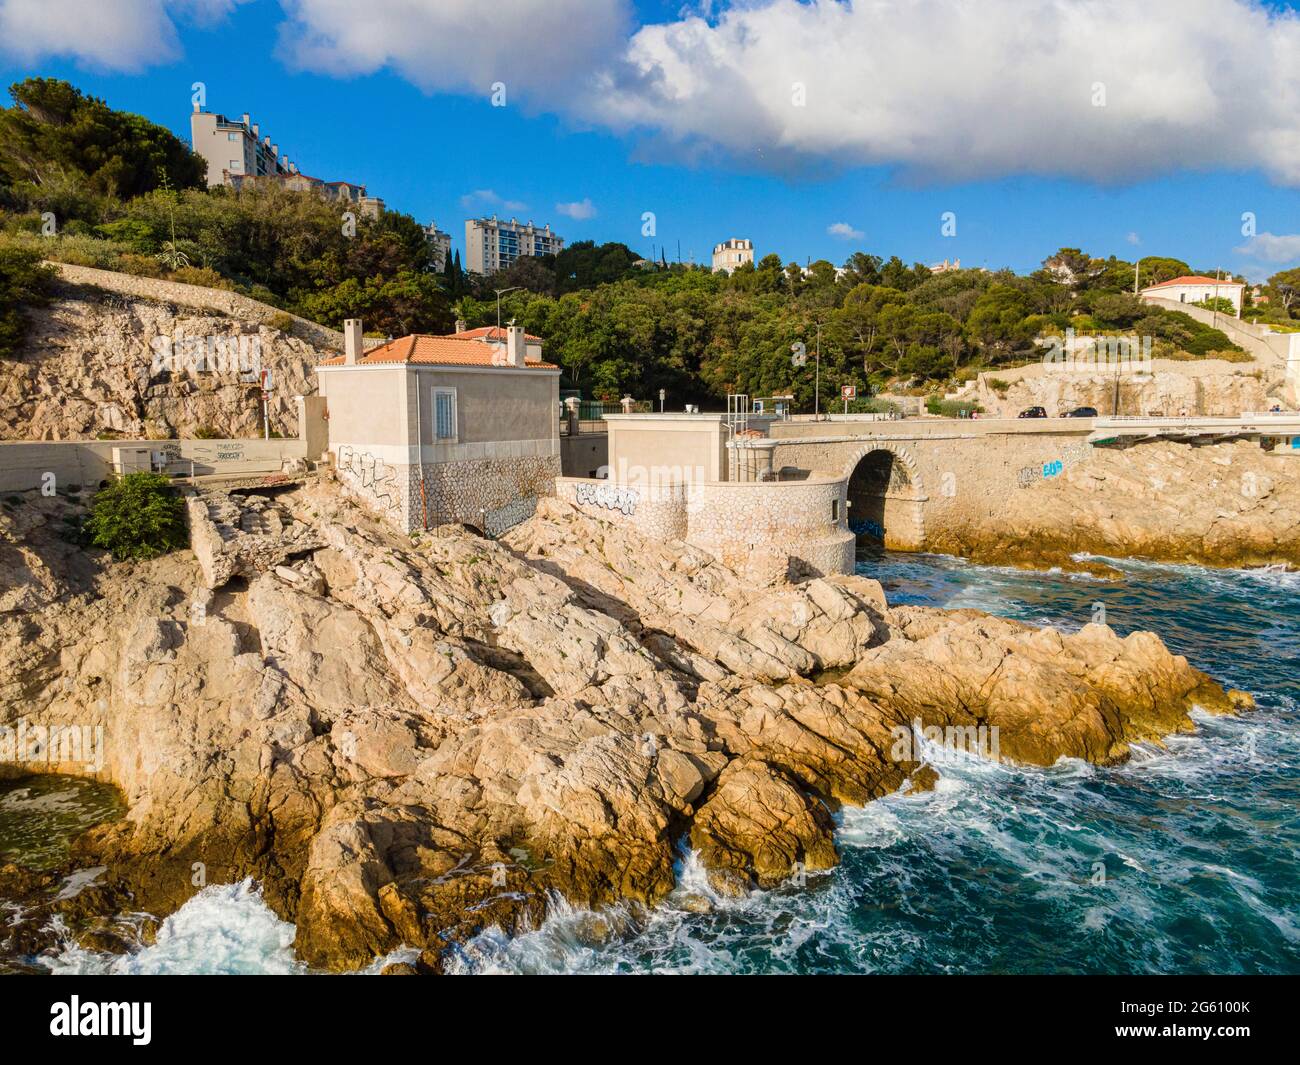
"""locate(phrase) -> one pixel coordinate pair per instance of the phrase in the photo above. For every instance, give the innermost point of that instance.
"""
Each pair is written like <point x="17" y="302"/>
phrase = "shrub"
<point x="139" y="516"/>
<point x="281" y="321"/>
<point x="206" y="432"/>
<point x="998" y="385"/>
<point x="951" y="408"/>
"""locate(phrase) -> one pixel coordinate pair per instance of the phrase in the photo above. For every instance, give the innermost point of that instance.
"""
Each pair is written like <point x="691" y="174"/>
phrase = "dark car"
<point x="1033" y="412"/>
<point x="1081" y="412"/>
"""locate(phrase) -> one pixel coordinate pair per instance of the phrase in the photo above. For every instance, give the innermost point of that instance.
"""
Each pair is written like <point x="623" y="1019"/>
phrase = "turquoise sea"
<point x="1185" y="859"/>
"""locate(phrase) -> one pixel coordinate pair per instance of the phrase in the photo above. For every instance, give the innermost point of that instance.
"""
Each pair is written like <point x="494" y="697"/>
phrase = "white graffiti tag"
<point x="609" y="496"/>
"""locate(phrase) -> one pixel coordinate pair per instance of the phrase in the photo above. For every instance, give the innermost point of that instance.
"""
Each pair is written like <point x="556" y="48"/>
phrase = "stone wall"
<point x="804" y="520"/>
<point x="656" y="511"/>
<point x="490" y="494"/>
<point x="960" y="477"/>
<point x="198" y="297"/>
<point x="24" y="465"/>
<point x="796" y="528"/>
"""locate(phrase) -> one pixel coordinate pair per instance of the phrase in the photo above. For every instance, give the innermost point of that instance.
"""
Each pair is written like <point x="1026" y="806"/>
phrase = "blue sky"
<point x="688" y="112"/>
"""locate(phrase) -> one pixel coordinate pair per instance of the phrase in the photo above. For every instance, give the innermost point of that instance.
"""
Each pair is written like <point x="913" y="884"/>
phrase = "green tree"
<point x="24" y="282"/>
<point x="54" y="134"/>
<point x="139" y="516"/>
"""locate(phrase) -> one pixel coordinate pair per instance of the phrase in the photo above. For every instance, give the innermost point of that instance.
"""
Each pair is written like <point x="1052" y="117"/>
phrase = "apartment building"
<point x="492" y="244"/>
<point x="732" y="253"/>
<point x="234" y="148"/>
<point x="439" y="246"/>
<point x="238" y="153"/>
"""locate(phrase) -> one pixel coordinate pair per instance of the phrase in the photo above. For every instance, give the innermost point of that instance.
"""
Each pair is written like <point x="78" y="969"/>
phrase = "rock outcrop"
<point x="1210" y="388"/>
<point x="405" y="740"/>
<point x="1229" y="504"/>
<point x="96" y="361"/>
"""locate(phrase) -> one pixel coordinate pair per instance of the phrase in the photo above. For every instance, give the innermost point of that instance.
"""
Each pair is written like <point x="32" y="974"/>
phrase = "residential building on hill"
<point x="439" y="246"/>
<point x="492" y="244"/>
<point x="732" y="253"/>
<point x="237" y="153"/>
<point x="234" y="148"/>
<point x="1196" y="288"/>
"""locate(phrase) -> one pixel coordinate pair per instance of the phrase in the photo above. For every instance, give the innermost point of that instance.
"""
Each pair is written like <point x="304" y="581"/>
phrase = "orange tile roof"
<point x="1197" y="279"/>
<point x="489" y="332"/>
<point x="436" y="351"/>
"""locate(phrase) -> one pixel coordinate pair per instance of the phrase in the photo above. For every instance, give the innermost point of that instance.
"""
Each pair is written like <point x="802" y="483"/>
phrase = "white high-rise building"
<point x="439" y="246"/>
<point x="492" y="244"/>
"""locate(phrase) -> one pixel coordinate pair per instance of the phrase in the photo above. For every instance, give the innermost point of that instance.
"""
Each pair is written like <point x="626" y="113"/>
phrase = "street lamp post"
<point x="501" y="292"/>
<point x="817" y="387"/>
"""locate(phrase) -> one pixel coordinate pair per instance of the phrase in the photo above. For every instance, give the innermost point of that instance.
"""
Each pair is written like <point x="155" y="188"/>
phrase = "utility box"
<point x="132" y="460"/>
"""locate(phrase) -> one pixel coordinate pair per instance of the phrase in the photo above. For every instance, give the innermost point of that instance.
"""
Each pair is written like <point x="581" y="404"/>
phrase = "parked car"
<point x="1033" y="412"/>
<point x="1081" y="412"/>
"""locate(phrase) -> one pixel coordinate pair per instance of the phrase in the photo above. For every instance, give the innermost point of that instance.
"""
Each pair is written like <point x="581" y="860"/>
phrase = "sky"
<point x="993" y="132"/>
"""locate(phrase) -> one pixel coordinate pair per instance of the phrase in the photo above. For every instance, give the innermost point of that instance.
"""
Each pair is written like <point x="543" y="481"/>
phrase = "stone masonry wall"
<point x="959" y="480"/>
<point x="798" y="527"/>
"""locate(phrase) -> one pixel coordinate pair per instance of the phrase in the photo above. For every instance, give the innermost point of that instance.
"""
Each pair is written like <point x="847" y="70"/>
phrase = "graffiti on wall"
<point x="1072" y="454"/>
<point x="609" y="496"/>
<point x="372" y="474"/>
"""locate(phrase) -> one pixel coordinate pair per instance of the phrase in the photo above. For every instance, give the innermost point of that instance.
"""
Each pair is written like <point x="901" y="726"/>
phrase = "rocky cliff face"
<point x="407" y="740"/>
<point x="1165" y="392"/>
<point x="97" y="362"/>
<point x="1230" y="504"/>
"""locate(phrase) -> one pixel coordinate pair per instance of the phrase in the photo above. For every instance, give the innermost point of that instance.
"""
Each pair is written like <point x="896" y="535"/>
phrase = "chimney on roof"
<point x="256" y="130"/>
<point x="275" y="149"/>
<point x="351" y="341"/>
<point x="460" y="325"/>
<point x="247" y="119"/>
<point x="516" y="346"/>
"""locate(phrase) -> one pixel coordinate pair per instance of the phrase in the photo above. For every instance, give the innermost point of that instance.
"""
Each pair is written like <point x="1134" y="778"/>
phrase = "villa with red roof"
<point x="1195" y="288"/>
<point x="437" y="429"/>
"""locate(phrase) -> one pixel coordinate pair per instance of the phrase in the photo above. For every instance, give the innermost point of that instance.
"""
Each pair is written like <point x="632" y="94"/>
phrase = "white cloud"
<point x="957" y="90"/>
<point x="484" y="199"/>
<point x="579" y="209"/>
<point x="1133" y="238"/>
<point x="458" y="45"/>
<point x="844" y="231"/>
<point x="1272" y="248"/>
<point x="121" y="35"/>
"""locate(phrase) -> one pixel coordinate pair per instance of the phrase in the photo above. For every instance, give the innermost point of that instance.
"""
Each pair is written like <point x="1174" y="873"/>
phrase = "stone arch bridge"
<point x="912" y="480"/>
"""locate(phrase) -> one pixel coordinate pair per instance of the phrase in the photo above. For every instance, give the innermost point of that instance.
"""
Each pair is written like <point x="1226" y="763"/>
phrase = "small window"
<point x="835" y="510"/>
<point x="444" y="414"/>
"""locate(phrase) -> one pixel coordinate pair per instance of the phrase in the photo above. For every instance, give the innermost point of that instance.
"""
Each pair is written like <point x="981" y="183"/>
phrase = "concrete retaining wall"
<point x="23" y="466"/>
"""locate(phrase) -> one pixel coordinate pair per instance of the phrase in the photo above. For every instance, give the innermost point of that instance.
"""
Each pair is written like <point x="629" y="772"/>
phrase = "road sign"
<point x="265" y="380"/>
<point x="848" y="391"/>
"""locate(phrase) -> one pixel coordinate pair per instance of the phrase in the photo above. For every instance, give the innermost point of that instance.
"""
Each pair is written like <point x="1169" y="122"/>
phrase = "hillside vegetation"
<point x="126" y="194"/>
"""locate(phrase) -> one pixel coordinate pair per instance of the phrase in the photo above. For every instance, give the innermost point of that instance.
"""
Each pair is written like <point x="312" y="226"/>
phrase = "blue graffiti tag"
<point x="1051" y="469"/>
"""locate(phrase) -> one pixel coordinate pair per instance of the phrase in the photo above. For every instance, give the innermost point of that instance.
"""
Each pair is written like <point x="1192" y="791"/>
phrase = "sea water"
<point x="1184" y="859"/>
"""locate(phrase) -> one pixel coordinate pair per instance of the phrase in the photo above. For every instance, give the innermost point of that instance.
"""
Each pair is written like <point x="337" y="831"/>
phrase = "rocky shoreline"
<point x="407" y="740"/>
<point x="1230" y="505"/>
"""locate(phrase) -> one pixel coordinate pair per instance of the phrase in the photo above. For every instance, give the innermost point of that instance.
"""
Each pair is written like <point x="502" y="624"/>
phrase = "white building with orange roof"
<point x="493" y="334"/>
<point x="437" y="429"/>
<point x="1196" y="288"/>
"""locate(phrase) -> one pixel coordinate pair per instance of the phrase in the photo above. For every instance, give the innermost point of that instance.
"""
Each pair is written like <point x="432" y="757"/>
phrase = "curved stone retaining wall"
<point x="799" y="526"/>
